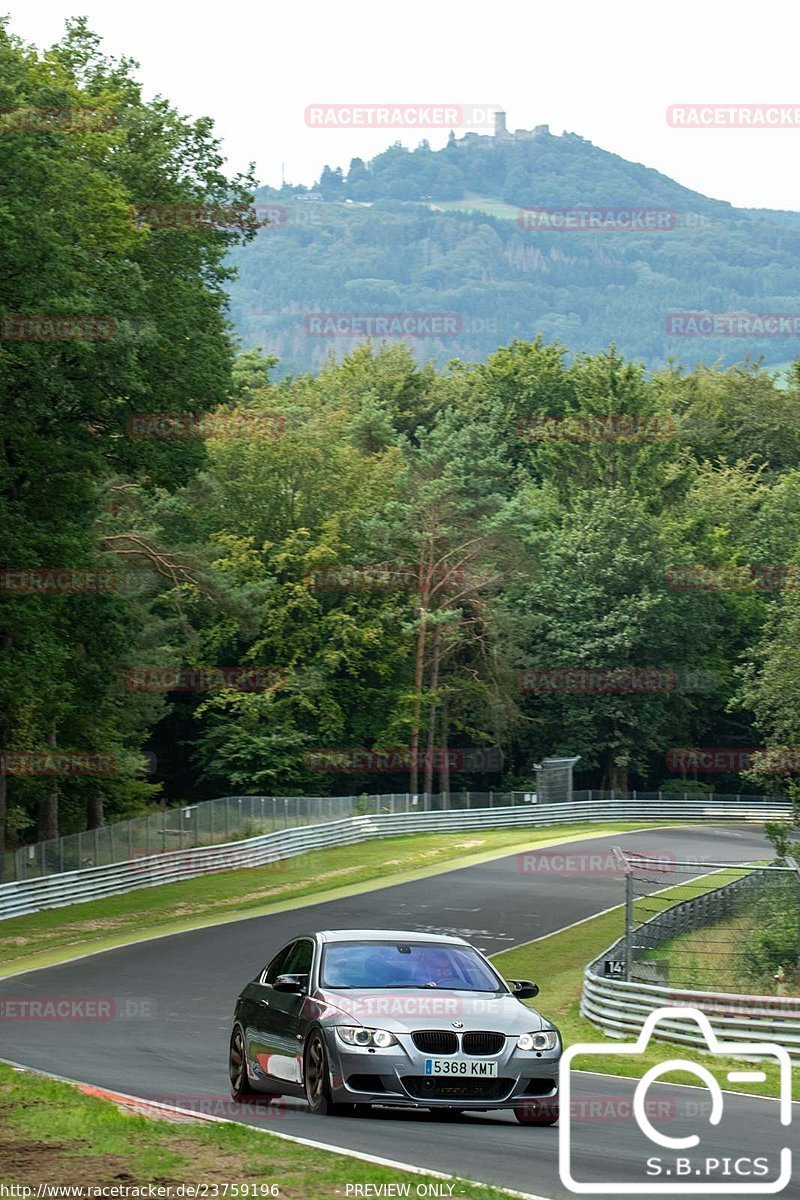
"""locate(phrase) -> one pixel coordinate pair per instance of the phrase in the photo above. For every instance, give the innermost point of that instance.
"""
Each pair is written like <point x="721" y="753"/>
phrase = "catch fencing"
<point x="218" y="822"/>
<point x="234" y="818"/>
<point x="390" y="816"/>
<point x="691" y="930"/>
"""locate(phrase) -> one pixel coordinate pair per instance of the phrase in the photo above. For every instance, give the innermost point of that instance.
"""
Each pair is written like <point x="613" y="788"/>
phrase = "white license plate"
<point x="465" y="1068"/>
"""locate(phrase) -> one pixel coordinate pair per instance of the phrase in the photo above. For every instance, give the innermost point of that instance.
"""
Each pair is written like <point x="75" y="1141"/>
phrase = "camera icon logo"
<point x="684" y="1166"/>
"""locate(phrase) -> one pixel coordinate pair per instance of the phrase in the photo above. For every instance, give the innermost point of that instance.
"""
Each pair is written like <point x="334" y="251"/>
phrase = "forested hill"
<point x="440" y="231"/>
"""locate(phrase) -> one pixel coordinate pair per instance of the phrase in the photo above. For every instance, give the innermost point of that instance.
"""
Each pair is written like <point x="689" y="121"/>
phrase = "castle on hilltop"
<point x="518" y="135"/>
<point x="502" y="134"/>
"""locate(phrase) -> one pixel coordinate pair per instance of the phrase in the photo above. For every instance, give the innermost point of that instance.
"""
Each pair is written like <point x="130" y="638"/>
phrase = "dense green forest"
<point x="432" y="231"/>
<point x="383" y="555"/>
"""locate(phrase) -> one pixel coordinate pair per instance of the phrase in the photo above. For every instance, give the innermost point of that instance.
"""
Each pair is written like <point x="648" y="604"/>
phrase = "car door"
<point x="257" y="1016"/>
<point x="278" y="1046"/>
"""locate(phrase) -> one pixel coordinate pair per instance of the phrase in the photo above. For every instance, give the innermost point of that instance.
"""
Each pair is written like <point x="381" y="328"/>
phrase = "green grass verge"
<point x="58" y="934"/>
<point x="731" y="955"/>
<point x="557" y="963"/>
<point x="51" y="1133"/>
<point x="709" y="958"/>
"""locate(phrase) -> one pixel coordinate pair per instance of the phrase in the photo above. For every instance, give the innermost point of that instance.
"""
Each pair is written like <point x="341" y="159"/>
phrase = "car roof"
<point x="387" y="935"/>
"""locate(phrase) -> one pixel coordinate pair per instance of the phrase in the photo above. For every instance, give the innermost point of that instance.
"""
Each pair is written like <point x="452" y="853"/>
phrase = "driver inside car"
<point x="437" y="970"/>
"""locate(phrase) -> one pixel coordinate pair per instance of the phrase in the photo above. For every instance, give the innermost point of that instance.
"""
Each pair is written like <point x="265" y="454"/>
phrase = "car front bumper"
<point x="396" y="1076"/>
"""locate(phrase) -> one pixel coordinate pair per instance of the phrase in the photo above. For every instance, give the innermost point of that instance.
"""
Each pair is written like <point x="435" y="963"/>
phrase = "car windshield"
<point x="406" y="965"/>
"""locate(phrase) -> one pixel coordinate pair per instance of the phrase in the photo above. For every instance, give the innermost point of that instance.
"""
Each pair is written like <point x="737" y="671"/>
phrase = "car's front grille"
<point x="435" y="1041"/>
<point x="423" y="1087"/>
<point x="483" y="1042"/>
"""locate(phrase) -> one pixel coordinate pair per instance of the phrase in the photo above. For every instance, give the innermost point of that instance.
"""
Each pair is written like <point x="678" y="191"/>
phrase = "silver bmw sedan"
<point x="350" y="1018"/>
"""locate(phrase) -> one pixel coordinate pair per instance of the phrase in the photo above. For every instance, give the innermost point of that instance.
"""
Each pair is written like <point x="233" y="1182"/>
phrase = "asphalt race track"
<point x="180" y="992"/>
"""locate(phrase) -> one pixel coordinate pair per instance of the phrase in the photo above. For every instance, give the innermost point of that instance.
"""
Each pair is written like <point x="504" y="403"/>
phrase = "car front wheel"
<point x="316" y="1078"/>
<point x="237" y="1067"/>
<point x="537" y="1112"/>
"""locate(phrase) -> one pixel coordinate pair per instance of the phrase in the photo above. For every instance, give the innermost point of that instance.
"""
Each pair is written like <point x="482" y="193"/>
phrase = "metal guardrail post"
<point x="792" y="862"/>
<point x="628" y="922"/>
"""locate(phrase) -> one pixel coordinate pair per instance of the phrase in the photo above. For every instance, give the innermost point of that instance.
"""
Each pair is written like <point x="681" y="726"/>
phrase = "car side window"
<point x="275" y="968"/>
<point x="300" y="958"/>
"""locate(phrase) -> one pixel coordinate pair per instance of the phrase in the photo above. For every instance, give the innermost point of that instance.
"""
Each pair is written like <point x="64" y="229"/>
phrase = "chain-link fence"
<point x="211" y="822"/>
<point x="228" y="819"/>
<point x="711" y="926"/>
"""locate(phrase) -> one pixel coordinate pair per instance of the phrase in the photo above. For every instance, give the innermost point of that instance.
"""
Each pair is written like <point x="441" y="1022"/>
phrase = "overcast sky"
<point x="606" y="71"/>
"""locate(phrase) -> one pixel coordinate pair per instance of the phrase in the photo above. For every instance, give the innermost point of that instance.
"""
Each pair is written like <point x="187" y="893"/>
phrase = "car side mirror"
<point x="291" y="983"/>
<point x="523" y="989"/>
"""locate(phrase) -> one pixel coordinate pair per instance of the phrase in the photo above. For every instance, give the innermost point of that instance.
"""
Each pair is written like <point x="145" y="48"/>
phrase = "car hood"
<point x="430" y="1008"/>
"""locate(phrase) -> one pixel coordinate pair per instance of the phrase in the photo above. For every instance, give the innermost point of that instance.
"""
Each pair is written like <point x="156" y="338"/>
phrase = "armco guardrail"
<point x="620" y="1007"/>
<point x="230" y="818"/>
<point x="226" y="819"/>
<point x="55" y="891"/>
<point x="620" y="1010"/>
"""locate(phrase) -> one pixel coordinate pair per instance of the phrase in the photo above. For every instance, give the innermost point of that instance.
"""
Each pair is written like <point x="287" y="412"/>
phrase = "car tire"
<point x="537" y="1112"/>
<point x="316" y="1078"/>
<point x="237" y="1067"/>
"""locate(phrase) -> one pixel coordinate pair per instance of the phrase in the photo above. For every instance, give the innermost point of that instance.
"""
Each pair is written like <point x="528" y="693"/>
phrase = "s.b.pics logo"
<point x="680" y="1153"/>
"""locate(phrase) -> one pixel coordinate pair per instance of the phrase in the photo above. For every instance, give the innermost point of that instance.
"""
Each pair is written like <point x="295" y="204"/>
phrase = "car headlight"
<point x="547" y="1039"/>
<point x="357" y="1035"/>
